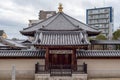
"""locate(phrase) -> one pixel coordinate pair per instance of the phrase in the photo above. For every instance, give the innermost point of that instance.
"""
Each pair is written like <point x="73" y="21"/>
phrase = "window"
<point x="49" y="15"/>
<point x="90" y="11"/>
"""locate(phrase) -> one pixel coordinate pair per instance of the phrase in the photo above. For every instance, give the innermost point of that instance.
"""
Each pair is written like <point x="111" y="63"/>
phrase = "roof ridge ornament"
<point x="60" y="7"/>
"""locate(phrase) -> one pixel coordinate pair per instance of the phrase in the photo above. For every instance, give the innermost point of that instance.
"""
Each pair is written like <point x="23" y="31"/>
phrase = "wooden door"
<point x="60" y="59"/>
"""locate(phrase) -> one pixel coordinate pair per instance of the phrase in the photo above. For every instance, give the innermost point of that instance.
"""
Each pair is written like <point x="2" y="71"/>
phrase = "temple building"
<point x="61" y="51"/>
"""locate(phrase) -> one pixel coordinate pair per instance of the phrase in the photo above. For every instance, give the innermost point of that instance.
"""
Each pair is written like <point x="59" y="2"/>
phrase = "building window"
<point x="49" y="15"/>
<point x="90" y="11"/>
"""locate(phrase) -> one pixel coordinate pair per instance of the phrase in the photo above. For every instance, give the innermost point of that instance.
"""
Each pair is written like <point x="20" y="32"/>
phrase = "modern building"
<point x="61" y="53"/>
<point x="101" y="18"/>
<point x="42" y="16"/>
<point x="46" y="14"/>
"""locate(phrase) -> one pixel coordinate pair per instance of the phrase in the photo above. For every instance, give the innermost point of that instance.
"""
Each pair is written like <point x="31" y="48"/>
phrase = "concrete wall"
<point x="25" y="68"/>
<point x="102" y="68"/>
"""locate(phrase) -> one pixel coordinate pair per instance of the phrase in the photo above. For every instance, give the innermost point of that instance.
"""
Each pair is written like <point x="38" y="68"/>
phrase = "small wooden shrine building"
<point x="60" y="36"/>
<point x="61" y="52"/>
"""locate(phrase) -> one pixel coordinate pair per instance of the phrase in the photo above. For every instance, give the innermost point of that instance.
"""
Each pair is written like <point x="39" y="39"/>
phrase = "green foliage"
<point x="101" y="37"/>
<point x="116" y="35"/>
<point x="89" y="38"/>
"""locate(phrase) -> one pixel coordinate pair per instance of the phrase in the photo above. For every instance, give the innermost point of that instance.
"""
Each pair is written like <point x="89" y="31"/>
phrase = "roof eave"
<point x="27" y="33"/>
<point x="90" y="33"/>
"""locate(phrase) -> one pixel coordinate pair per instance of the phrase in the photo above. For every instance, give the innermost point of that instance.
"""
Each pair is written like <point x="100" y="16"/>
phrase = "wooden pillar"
<point x="115" y="47"/>
<point x="47" y="59"/>
<point x="74" y="60"/>
<point x="91" y="47"/>
<point x="103" y="47"/>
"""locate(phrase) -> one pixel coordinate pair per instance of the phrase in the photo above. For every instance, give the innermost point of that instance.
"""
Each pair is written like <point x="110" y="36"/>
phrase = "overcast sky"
<point x="14" y="14"/>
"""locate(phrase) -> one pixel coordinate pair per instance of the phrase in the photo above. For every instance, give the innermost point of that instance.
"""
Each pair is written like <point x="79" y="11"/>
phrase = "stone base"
<point x="48" y="77"/>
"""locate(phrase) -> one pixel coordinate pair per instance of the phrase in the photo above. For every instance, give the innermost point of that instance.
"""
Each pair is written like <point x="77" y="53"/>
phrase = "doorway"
<point x="60" y="60"/>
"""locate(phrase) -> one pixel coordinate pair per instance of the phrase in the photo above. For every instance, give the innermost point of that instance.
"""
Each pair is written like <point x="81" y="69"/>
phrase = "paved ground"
<point x="106" y="79"/>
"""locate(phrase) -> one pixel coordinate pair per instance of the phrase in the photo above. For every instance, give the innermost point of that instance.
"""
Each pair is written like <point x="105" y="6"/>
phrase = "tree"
<point x="116" y="34"/>
<point x="101" y="37"/>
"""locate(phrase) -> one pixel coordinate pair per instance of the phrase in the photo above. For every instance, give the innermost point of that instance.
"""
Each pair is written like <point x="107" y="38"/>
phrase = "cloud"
<point x="12" y="31"/>
<point x="16" y="13"/>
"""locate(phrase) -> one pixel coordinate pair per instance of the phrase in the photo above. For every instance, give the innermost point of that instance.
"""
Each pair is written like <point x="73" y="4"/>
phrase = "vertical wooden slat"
<point x="74" y="60"/>
<point x="47" y="58"/>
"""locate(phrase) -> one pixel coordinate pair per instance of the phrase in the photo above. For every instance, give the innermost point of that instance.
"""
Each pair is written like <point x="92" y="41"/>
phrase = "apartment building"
<point x="101" y="18"/>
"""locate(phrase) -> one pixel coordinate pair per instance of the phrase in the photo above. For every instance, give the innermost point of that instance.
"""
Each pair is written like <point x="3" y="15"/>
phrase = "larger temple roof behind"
<point x="60" y="22"/>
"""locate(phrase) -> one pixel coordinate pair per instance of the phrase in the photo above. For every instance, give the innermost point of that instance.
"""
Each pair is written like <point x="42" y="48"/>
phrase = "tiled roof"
<point x="22" y="53"/>
<point x="15" y="44"/>
<point x="98" y="53"/>
<point x="60" y="21"/>
<point x="105" y="41"/>
<point x="2" y="45"/>
<point x="61" y="38"/>
<point x="41" y="53"/>
<point x="12" y="43"/>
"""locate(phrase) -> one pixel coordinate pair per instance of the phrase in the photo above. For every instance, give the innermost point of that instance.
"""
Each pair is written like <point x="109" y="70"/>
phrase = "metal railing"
<point x="61" y="70"/>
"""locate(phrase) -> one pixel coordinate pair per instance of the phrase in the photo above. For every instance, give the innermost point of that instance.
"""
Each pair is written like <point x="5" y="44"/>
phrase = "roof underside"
<point x="61" y="38"/>
<point x="60" y="22"/>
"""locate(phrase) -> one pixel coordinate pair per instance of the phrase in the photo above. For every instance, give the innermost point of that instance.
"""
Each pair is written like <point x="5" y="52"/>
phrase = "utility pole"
<point x="13" y="72"/>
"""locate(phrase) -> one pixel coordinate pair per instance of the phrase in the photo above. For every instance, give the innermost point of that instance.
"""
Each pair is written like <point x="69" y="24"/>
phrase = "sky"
<point x="15" y="14"/>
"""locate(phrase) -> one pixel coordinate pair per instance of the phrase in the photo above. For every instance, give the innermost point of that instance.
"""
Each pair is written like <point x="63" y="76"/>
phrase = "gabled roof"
<point x="61" y="38"/>
<point x="12" y="43"/>
<point x="60" y="21"/>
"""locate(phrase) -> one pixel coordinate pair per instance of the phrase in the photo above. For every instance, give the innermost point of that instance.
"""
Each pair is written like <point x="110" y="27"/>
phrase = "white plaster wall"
<point x="25" y="68"/>
<point x="102" y="68"/>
